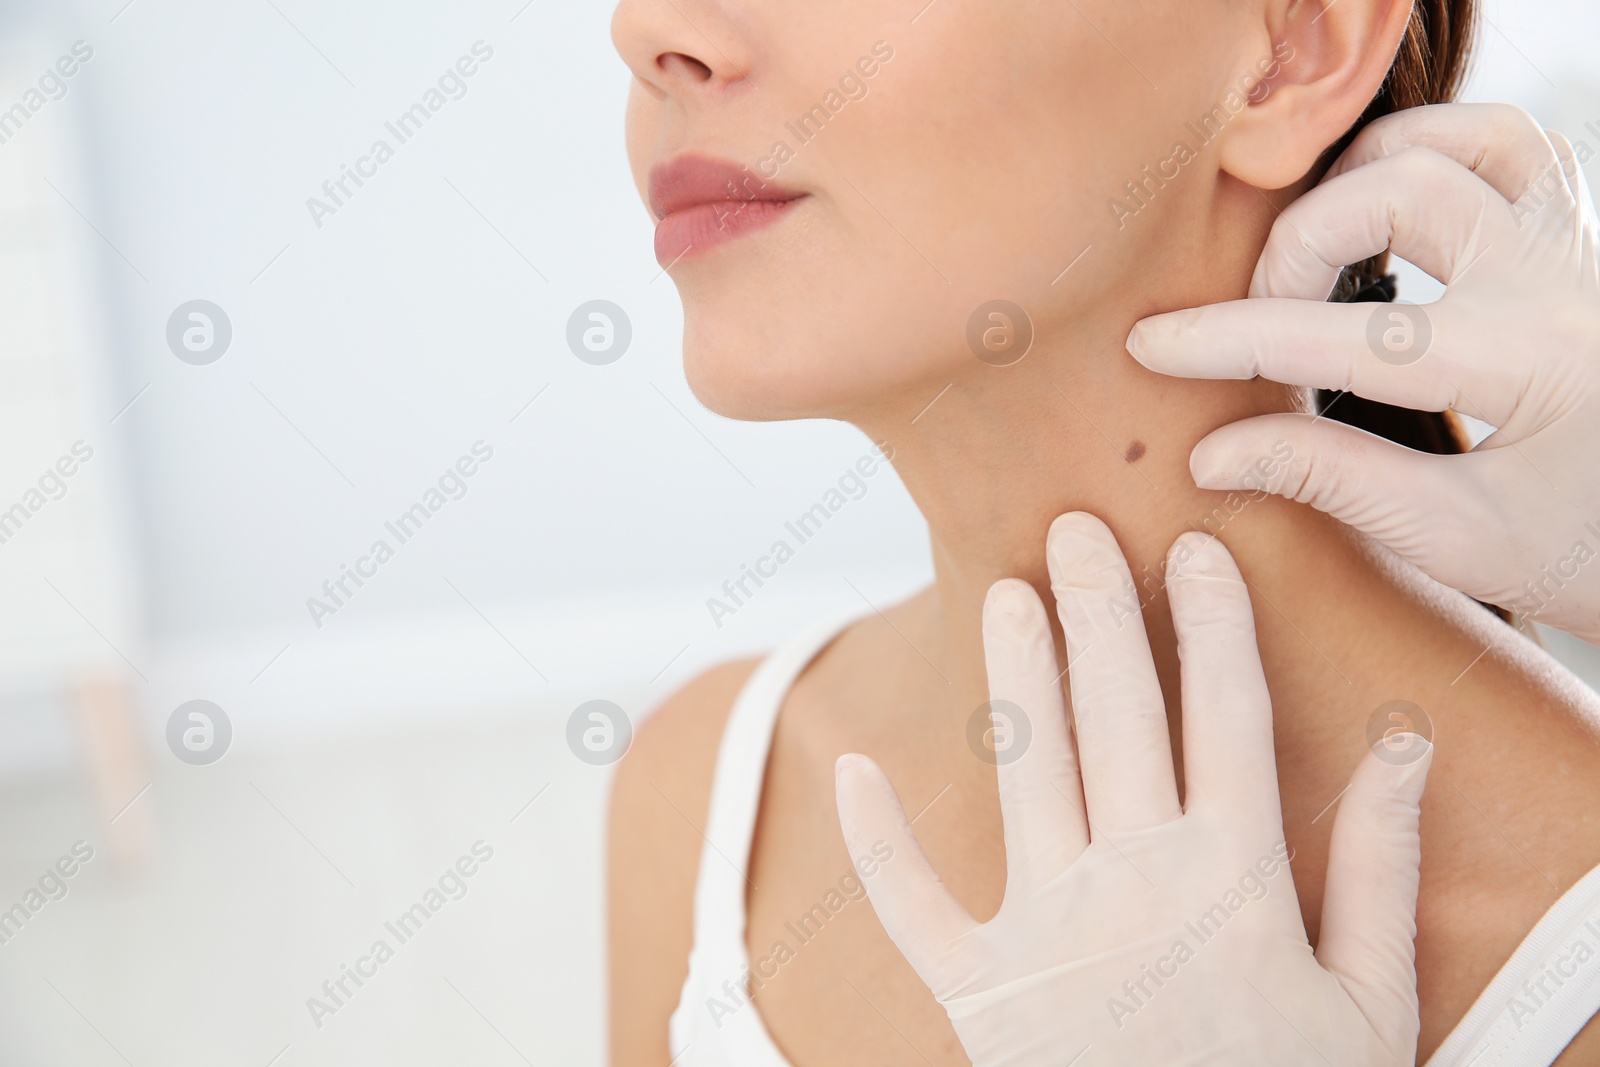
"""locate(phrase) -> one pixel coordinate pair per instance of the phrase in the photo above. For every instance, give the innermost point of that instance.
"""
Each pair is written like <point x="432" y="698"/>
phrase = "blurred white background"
<point x="427" y="313"/>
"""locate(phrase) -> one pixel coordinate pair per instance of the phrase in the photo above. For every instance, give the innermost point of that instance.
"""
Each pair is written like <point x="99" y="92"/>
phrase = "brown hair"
<point x="1429" y="68"/>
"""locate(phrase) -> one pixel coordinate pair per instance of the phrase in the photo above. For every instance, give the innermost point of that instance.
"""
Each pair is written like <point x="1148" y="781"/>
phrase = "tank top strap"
<point x="1543" y="995"/>
<point x="718" y="957"/>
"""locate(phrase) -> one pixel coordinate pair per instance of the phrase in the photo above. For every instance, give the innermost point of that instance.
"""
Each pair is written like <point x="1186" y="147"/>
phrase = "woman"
<point x="1088" y="164"/>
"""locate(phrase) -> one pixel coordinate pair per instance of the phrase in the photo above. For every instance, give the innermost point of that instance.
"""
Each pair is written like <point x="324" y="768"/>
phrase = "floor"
<point x="270" y="875"/>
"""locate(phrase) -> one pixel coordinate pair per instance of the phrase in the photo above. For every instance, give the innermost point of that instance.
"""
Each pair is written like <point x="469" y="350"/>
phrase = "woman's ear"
<point x="1328" y="60"/>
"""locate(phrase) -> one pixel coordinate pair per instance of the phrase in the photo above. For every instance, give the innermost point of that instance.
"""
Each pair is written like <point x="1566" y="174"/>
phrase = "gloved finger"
<point x="1572" y="171"/>
<point x="1499" y="143"/>
<point x="1421" y="205"/>
<point x="1228" y="759"/>
<point x="1425" y="366"/>
<point x="1568" y="169"/>
<point x="1386" y="490"/>
<point x="1123" y="745"/>
<point x="1580" y="186"/>
<point x="916" y="910"/>
<point x="1041" y="794"/>
<point x="1369" y="907"/>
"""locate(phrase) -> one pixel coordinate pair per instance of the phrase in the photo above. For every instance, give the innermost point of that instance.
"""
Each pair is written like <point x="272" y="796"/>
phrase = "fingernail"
<point x="1078" y="546"/>
<point x="1148" y="336"/>
<point x="1204" y="467"/>
<point x="1159" y="335"/>
<point x="846" y="762"/>
<point x="1010" y="609"/>
<point x="1410" y="778"/>
<point x="1135" y="341"/>
<point x="1195" y="553"/>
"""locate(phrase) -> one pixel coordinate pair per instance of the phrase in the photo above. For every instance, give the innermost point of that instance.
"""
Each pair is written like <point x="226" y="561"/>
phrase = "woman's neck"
<point x="1082" y="426"/>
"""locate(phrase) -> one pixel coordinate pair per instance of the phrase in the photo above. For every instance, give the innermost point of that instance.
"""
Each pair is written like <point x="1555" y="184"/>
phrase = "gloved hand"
<point x="1497" y="209"/>
<point x="1133" y="930"/>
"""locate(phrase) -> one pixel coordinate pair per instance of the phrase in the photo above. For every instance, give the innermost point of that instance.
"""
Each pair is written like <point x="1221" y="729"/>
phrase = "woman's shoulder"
<point x="662" y="790"/>
<point x="659" y="801"/>
<point x="677" y="742"/>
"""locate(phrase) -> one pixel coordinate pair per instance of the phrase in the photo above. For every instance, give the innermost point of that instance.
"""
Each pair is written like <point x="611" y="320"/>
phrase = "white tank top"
<point x="1532" y="1009"/>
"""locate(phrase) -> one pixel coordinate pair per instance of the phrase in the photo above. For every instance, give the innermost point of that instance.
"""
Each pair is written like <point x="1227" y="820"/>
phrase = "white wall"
<point x="377" y="348"/>
<point x="408" y="326"/>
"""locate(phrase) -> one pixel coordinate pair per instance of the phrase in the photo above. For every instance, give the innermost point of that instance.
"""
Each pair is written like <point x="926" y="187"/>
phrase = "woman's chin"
<point x="750" y="383"/>
<point x="762" y="374"/>
<point x="799" y="364"/>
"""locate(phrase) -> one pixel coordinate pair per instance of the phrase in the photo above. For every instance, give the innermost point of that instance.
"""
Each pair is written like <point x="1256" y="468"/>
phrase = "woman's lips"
<point x="702" y="203"/>
<point x="705" y="226"/>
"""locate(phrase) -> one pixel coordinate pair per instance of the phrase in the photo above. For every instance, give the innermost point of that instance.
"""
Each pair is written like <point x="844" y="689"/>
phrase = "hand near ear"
<point x="1484" y="200"/>
<point x="1134" y="931"/>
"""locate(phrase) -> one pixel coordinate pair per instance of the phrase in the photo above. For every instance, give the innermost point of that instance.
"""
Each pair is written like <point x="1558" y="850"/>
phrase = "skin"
<point x="980" y="163"/>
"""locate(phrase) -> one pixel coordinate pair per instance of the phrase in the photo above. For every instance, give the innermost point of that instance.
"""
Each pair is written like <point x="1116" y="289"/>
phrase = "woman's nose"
<point x="680" y="48"/>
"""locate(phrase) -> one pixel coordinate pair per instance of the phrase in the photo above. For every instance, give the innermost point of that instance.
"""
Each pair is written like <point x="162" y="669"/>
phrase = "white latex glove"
<point x="1484" y="200"/>
<point x="1145" y="933"/>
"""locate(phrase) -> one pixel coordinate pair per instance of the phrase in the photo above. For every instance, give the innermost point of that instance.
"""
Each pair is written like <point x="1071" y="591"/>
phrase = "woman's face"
<point x="845" y="182"/>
